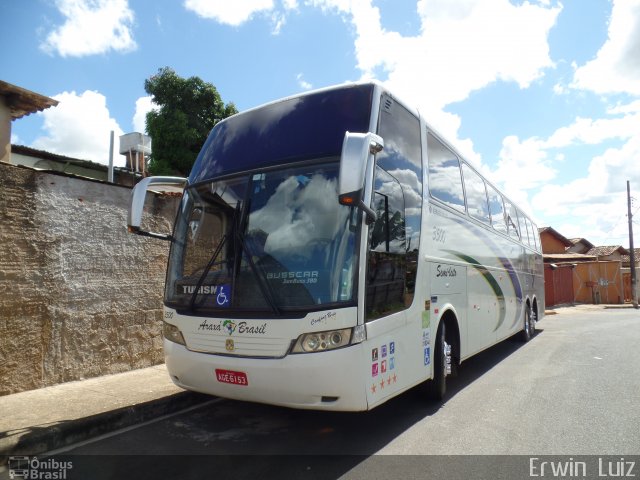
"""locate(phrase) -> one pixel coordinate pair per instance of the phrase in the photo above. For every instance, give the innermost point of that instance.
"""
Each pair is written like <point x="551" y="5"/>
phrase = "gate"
<point x="558" y="285"/>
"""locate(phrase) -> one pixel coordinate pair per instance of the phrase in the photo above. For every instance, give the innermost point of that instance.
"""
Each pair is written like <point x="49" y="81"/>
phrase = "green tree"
<point x="187" y="111"/>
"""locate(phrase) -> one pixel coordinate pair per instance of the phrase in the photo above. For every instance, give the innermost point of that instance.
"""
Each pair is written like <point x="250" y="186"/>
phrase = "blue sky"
<point x="542" y="95"/>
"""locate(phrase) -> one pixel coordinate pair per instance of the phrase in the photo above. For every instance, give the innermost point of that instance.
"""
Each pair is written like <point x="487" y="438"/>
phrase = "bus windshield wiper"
<point x="205" y="272"/>
<point x="236" y="236"/>
<point x="265" y="288"/>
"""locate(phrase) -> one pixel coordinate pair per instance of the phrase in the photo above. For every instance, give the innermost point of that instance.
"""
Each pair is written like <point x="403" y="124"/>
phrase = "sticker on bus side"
<point x="426" y="319"/>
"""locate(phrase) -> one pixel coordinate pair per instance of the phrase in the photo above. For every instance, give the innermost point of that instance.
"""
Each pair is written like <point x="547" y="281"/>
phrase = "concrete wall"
<point x="79" y="296"/>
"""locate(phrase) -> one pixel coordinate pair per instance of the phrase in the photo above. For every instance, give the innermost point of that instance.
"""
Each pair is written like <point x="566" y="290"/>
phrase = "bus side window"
<point x="517" y="220"/>
<point x="387" y="259"/>
<point x="536" y="236"/>
<point x="524" y="234"/>
<point x="529" y="232"/>
<point x="496" y="209"/>
<point x="476" y="192"/>
<point x="445" y="183"/>
<point x="512" y="220"/>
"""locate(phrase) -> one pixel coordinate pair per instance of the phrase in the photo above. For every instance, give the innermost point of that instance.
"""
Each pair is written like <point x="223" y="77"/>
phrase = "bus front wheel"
<point x="437" y="387"/>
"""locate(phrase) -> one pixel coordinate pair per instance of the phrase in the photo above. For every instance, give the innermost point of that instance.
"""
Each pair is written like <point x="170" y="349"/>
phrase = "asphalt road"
<point x="573" y="390"/>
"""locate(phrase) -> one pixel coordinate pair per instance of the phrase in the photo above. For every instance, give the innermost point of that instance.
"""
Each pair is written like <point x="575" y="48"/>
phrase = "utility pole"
<point x="632" y="256"/>
<point x="110" y="169"/>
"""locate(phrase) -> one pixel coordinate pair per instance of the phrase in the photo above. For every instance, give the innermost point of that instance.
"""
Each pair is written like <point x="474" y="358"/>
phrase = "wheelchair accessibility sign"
<point x="223" y="295"/>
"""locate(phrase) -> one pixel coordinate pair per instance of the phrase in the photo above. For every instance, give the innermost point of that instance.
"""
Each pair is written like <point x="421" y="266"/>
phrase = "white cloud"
<point x="303" y="83"/>
<point x="462" y="47"/>
<point x="594" y="202"/>
<point x="523" y="165"/>
<point x="230" y="13"/>
<point x="237" y="13"/>
<point x="559" y="89"/>
<point x="583" y="206"/>
<point x="92" y="27"/>
<point x="633" y="107"/>
<point x="576" y="211"/>
<point x="80" y="127"/>
<point x="593" y="132"/>
<point x="616" y="67"/>
<point x="143" y="106"/>
<point x="531" y="159"/>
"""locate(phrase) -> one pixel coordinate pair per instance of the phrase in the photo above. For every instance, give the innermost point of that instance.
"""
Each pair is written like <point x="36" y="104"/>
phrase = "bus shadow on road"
<point x="320" y="444"/>
<point x="476" y="366"/>
<point x="413" y="406"/>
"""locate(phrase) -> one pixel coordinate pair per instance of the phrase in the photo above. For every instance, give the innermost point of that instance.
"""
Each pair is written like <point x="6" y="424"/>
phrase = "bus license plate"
<point x="229" y="376"/>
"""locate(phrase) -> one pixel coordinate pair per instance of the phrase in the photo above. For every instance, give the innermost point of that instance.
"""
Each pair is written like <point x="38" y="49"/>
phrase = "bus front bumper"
<point x="330" y="380"/>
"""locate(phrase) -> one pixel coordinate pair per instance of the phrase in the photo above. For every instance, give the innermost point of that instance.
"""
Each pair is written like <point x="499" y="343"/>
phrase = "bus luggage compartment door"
<point x="448" y="279"/>
<point x="449" y="290"/>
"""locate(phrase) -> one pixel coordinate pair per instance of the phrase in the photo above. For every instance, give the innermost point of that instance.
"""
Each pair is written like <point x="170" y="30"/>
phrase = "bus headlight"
<point x="172" y="333"/>
<point x="322" y="341"/>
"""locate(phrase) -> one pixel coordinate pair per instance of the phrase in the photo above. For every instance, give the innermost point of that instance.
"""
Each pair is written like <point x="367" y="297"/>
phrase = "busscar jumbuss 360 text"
<point x="331" y="251"/>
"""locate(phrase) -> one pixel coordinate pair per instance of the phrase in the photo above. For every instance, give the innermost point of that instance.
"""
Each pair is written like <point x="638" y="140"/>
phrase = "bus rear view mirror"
<point x="356" y="162"/>
<point x="138" y="196"/>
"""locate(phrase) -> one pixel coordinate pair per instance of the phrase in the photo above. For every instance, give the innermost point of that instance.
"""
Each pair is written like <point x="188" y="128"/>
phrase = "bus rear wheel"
<point x="437" y="387"/>
<point x="529" y="328"/>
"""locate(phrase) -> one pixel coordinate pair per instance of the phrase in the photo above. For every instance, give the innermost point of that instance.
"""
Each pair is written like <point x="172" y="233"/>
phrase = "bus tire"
<point x="437" y="386"/>
<point x="528" y="328"/>
<point x="533" y="320"/>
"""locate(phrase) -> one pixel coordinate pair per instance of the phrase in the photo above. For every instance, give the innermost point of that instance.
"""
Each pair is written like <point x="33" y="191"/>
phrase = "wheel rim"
<point x="532" y="323"/>
<point x="447" y="358"/>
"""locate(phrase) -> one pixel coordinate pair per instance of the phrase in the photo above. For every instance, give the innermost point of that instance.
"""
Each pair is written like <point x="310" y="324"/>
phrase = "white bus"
<point x="332" y="251"/>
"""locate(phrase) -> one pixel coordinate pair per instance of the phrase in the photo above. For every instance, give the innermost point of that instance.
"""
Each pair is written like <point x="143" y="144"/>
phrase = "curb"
<point x="40" y="439"/>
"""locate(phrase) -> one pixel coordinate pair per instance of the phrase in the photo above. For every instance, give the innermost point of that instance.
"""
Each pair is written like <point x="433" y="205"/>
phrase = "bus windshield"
<point x="267" y="243"/>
